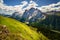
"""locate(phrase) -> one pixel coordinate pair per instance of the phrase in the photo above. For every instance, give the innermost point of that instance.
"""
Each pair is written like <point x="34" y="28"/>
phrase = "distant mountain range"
<point x="30" y="15"/>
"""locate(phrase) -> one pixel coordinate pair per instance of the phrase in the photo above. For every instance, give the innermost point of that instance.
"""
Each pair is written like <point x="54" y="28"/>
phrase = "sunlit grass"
<point x="21" y="29"/>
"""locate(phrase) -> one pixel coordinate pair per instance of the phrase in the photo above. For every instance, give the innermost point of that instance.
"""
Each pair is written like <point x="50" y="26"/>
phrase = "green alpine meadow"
<point x="18" y="31"/>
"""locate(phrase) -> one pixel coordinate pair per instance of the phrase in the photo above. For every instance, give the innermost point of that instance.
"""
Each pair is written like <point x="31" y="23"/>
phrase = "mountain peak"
<point x="32" y="14"/>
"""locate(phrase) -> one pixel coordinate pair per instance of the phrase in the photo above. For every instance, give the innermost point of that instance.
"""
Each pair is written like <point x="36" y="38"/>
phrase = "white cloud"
<point x="32" y="4"/>
<point x="1" y="1"/>
<point x="17" y="8"/>
<point x="51" y="7"/>
<point x="20" y="9"/>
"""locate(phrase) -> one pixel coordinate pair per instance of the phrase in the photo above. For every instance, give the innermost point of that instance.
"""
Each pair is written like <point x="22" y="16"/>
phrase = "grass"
<point x="20" y="29"/>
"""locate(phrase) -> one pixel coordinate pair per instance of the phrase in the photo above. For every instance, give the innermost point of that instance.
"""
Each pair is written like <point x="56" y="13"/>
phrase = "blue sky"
<point x="39" y="2"/>
<point x="22" y="5"/>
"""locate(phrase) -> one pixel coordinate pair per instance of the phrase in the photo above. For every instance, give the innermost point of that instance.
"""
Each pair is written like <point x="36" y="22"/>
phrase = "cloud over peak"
<point x="21" y="8"/>
<point x="51" y="7"/>
<point x="18" y="8"/>
<point x="31" y="4"/>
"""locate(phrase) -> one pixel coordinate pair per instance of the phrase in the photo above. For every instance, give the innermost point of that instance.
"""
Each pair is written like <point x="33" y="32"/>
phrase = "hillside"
<point x="51" y="22"/>
<point x="19" y="31"/>
<point x="51" y="26"/>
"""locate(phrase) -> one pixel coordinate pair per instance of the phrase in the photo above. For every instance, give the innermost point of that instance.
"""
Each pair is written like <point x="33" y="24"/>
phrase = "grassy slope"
<point x="21" y="29"/>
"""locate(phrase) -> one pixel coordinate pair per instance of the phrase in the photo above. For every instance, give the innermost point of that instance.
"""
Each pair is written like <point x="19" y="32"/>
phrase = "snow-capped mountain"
<point x="32" y="15"/>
